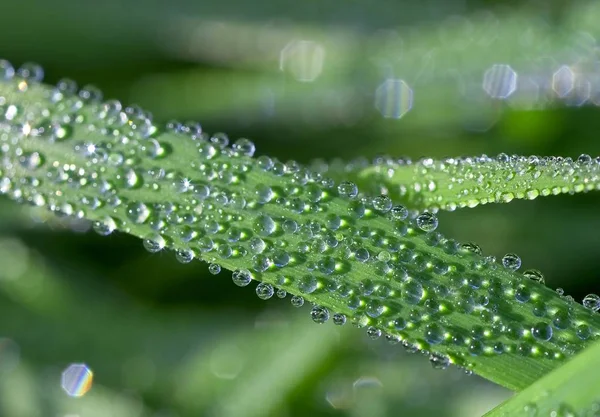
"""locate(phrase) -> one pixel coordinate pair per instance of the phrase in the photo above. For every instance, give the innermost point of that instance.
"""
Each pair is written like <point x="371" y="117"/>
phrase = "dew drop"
<point x="348" y="189"/>
<point x="281" y="293"/>
<point x="412" y="291"/>
<point x="339" y="319"/>
<point x="592" y="302"/>
<point x="534" y="275"/>
<point x="382" y="203"/>
<point x="105" y="226"/>
<point x="241" y="277"/>
<point x="439" y="361"/>
<point x="399" y="212"/>
<point x="154" y="243"/>
<point x="542" y="331"/>
<point x="434" y="333"/>
<point x="184" y="255"/>
<point x="214" y="268"/>
<point x="373" y="332"/>
<point x="264" y="291"/>
<point x="427" y="222"/>
<point x="511" y="261"/>
<point x="264" y="225"/>
<point x="297" y="301"/>
<point x="244" y="147"/>
<point x="138" y="212"/>
<point x="583" y="331"/>
<point x="319" y="314"/>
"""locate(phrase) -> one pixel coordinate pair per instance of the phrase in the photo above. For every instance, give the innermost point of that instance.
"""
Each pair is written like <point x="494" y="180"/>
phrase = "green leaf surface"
<point x="454" y="183"/>
<point x="570" y="390"/>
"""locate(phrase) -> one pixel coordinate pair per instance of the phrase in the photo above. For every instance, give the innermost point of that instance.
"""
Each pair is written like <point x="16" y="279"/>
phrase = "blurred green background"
<point x="303" y="80"/>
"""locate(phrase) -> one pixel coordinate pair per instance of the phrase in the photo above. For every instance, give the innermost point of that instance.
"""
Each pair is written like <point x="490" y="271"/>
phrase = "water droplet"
<point x="214" y="268"/>
<point x="373" y="332"/>
<point x="154" y="243"/>
<point x="319" y="314"/>
<point x="542" y="331"/>
<point x="412" y="291"/>
<point x="264" y="291"/>
<point x="184" y="255"/>
<point x="297" y="301"/>
<point x="339" y="319"/>
<point x="241" y="277"/>
<point x="439" y="361"/>
<point x="105" y="226"/>
<point x="138" y="212"/>
<point x="382" y="203"/>
<point x="592" y="302"/>
<point x="264" y="225"/>
<point x="534" y="275"/>
<point x="399" y="212"/>
<point x="348" y="189"/>
<point x="434" y="333"/>
<point x="511" y="261"/>
<point x="244" y="147"/>
<point x="427" y="222"/>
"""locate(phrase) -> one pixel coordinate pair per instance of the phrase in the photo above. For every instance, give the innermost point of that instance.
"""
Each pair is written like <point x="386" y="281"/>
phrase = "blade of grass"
<point x="568" y="391"/>
<point x="289" y="228"/>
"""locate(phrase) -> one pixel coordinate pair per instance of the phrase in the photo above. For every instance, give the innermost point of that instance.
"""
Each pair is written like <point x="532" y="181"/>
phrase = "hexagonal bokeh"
<point x="527" y="94"/>
<point x="580" y="94"/>
<point x="563" y="81"/>
<point x="500" y="81"/>
<point x="302" y="59"/>
<point x="393" y="98"/>
<point x="77" y="379"/>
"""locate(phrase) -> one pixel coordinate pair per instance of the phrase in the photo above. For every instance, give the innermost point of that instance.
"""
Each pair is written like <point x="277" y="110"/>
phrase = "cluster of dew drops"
<point x="460" y="182"/>
<point x="327" y="246"/>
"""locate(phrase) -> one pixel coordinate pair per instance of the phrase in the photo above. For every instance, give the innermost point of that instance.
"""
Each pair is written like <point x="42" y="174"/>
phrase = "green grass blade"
<point x="287" y="227"/>
<point x="571" y="390"/>
<point x="468" y="182"/>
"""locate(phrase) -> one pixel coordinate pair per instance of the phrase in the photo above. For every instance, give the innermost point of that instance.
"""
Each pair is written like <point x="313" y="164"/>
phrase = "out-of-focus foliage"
<point x="303" y="80"/>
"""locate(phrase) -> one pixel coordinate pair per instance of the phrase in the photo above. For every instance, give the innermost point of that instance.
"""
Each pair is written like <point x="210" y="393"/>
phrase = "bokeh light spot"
<point x="77" y="379"/>
<point x="393" y="98"/>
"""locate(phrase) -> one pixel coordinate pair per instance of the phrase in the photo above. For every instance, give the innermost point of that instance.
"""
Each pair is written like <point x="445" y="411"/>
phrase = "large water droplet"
<point x="241" y="277"/>
<point x="427" y="222"/>
<point x="319" y="314"/>
<point x="592" y="302"/>
<point x="511" y="261"/>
